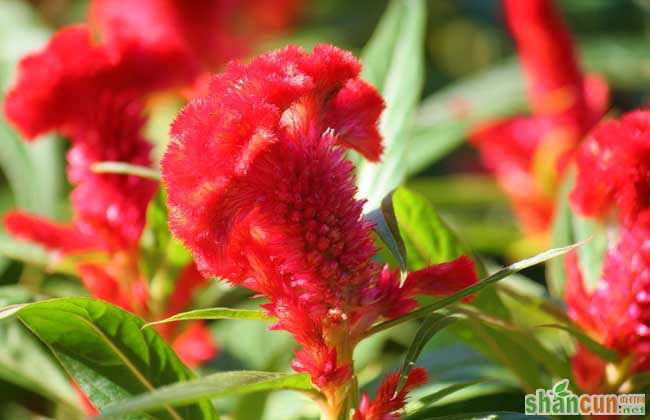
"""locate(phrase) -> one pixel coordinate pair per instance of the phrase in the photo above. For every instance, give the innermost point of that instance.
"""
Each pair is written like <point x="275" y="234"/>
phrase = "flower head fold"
<point x="614" y="169"/>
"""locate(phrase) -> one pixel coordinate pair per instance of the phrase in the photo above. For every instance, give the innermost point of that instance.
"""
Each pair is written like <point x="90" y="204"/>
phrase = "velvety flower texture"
<point x="260" y="191"/>
<point x="614" y="168"/>
<point x="93" y="96"/>
<point x="527" y="153"/>
<point x="612" y="184"/>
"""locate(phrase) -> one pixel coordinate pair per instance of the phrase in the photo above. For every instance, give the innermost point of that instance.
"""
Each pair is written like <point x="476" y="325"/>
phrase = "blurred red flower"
<point x="197" y="36"/>
<point x="80" y="89"/>
<point x="614" y="178"/>
<point x="614" y="170"/>
<point x="528" y="154"/>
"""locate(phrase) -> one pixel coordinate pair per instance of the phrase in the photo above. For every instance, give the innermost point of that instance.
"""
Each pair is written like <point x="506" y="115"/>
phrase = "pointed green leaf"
<point x="429" y="327"/>
<point x="401" y="90"/>
<point x="561" y="235"/>
<point x="162" y="257"/>
<point x="427" y="238"/>
<point x="492" y="415"/>
<point x="375" y="57"/>
<point x="437" y="396"/>
<point x="123" y="168"/>
<point x="211" y="386"/>
<point x="387" y="228"/>
<point x="104" y="349"/>
<point x="34" y="170"/>
<point x="456" y="297"/>
<point x="592" y="345"/>
<point x="24" y="361"/>
<point x="216" y="313"/>
<point x="591" y="256"/>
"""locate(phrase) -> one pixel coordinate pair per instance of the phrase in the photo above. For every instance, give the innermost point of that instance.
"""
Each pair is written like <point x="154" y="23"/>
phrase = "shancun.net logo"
<point x="561" y="401"/>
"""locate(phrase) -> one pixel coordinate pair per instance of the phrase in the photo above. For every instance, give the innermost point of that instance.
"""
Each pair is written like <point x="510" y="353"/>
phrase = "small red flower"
<point x="526" y="154"/>
<point x="614" y="170"/>
<point x="388" y="401"/>
<point x="617" y="312"/>
<point x="613" y="177"/>
<point x="260" y="191"/>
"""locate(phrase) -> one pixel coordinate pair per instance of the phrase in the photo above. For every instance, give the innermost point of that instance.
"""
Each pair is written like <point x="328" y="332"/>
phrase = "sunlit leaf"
<point x="456" y="297"/>
<point x="217" y="313"/>
<point x="104" y="349"/>
<point x="24" y="361"/>
<point x="211" y="386"/>
<point x="429" y="327"/>
<point x="123" y="168"/>
<point x="593" y="346"/>
<point x="388" y="230"/>
<point x="401" y="91"/>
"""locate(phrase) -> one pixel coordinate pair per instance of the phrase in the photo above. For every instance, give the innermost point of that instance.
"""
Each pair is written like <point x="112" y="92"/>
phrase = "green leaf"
<point x="438" y="395"/>
<point x="417" y="407"/>
<point x="440" y="127"/>
<point x="211" y="386"/>
<point x="429" y="327"/>
<point x="163" y="257"/>
<point x="34" y="254"/>
<point x="569" y="227"/>
<point x="123" y="168"/>
<point x="104" y="349"/>
<point x="456" y="297"/>
<point x="387" y="228"/>
<point x="593" y="346"/>
<point x="561" y="235"/>
<point x="427" y="238"/>
<point x="34" y="170"/>
<point x="216" y="313"/>
<point x="592" y="255"/>
<point x="23" y="359"/>
<point x="401" y="89"/>
<point x="376" y="57"/>
<point x="492" y="415"/>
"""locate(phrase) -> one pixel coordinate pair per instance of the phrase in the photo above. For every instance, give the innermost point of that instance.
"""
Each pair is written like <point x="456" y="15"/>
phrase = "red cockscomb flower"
<point x="261" y="193"/>
<point x="200" y="35"/>
<point x="63" y="86"/>
<point x="614" y="169"/>
<point x="93" y="95"/>
<point x="614" y="177"/>
<point x="388" y="401"/>
<point x="617" y="312"/>
<point x="526" y="153"/>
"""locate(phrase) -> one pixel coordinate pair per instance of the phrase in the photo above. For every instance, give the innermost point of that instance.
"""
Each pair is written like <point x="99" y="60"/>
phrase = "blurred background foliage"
<point x="470" y="75"/>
